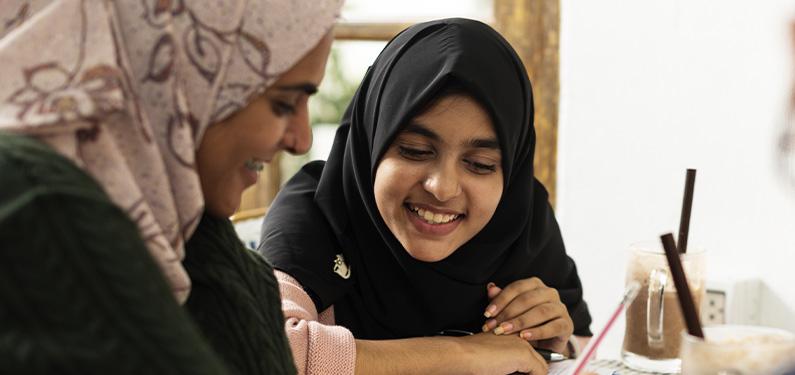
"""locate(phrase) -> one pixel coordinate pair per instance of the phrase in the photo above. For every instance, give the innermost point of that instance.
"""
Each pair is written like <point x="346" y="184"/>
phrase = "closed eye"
<point x="414" y="153"/>
<point x="480" y="168"/>
<point x="282" y="108"/>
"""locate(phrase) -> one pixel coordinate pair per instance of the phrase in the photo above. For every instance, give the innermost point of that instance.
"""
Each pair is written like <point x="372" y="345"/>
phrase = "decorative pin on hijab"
<point x="341" y="268"/>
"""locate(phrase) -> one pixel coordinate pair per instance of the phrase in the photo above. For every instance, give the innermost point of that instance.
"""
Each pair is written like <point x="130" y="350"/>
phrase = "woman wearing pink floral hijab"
<point x="135" y="125"/>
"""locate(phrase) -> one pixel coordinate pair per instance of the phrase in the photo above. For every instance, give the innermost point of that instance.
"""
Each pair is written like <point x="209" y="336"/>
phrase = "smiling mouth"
<point x="433" y="218"/>
<point x="255" y="165"/>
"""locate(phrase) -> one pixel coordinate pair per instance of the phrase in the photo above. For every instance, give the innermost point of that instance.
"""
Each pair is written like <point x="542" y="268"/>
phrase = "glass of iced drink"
<point x="654" y="321"/>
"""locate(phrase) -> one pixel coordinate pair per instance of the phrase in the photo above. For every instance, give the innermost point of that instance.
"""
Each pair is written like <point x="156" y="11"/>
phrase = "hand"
<point x="502" y="355"/>
<point x="534" y="310"/>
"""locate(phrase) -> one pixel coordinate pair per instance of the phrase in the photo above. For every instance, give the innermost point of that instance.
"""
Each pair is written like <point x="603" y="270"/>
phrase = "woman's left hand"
<point x="533" y="310"/>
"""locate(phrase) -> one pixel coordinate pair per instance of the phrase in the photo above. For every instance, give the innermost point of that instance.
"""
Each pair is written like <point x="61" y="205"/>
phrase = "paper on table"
<point x="567" y="366"/>
<point x="561" y="368"/>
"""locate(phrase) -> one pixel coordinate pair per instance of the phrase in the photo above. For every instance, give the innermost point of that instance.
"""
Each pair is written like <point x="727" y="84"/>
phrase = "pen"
<point x="550" y="356"/>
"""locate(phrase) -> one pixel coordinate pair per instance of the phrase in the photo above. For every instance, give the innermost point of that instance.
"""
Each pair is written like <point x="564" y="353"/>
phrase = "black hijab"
<point x="329" y="208"/>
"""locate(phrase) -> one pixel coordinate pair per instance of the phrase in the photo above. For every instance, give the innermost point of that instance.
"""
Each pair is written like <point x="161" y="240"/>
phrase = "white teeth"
<point x="428" y="216"/>
<point x="432" y="218"/>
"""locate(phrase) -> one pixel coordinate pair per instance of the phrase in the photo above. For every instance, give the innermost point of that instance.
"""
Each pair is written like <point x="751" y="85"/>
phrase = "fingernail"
<point x="490" y="311"/>
<point x="503" y="328"/>
<point x="527" y="335"/>
<point x="485" y="327"/>
<point x="490" y="285"/>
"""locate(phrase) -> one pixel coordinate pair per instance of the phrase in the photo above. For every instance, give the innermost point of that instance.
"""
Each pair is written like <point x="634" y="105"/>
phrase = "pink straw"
<point x="590" y="349"/>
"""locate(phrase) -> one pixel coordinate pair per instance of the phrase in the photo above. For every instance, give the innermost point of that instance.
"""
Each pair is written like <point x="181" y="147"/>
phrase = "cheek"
<point x="213" y="156"/>
<point x="257" y="130"/>
<point x="485" y="197"/>
<point x="393" y="182"/>
<point x="264" y="135"/>
<point x="386" y="188"/>
<point x="216" y="166"/>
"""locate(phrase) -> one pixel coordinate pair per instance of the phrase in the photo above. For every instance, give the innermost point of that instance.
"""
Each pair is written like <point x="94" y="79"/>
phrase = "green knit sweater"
<point x="79" y="293"/>
<point x="235" y="300"/>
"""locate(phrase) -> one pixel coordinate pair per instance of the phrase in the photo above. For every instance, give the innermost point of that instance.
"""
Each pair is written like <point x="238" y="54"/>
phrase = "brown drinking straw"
<point x="682" y="288"/>
<point x="687" y="205"/>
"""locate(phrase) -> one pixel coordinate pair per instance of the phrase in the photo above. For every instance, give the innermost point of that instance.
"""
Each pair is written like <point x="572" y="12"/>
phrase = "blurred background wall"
<point x="650" y="88"/>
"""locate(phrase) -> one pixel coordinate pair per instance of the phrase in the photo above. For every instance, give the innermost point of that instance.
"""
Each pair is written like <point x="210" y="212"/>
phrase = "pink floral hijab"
<point x="126" y="89"/>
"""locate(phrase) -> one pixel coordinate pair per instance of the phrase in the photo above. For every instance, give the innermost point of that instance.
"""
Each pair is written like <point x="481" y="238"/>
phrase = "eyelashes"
<point x="282" y="108"/>
<point x="480" y="167"/>
<point x="415" y="154"/>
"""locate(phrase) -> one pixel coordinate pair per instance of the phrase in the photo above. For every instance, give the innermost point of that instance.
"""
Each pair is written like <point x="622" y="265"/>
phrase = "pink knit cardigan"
<point x="319" y="346"/>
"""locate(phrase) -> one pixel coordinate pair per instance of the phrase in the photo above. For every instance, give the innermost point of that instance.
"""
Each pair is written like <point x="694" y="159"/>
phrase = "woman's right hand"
<point x="502" y="354"/>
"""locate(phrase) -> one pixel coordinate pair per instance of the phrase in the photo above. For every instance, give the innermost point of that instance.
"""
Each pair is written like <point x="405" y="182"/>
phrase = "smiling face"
<point x="232" y="152"/>
<point x="440" y="181"/>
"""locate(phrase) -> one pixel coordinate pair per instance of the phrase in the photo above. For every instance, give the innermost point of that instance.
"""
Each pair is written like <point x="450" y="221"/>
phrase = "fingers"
<point x="530" y="308"/>
<point x="560" y="327"/>
<point x="558" y="344"/>
<point x="509" y="293"/>
<point x="527" y="301"/>
<point x="492" y="290"/>
<point x="489" y="325"/>
<point x="538" y="316"/>
<point x="527" y="310"/>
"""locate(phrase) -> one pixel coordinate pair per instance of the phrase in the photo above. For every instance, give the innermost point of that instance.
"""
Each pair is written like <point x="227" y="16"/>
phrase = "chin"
<point x="223" y="209"/>
<point x="428" y="253"/>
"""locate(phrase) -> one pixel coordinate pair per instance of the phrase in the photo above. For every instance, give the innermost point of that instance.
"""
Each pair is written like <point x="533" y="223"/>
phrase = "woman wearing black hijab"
<point x="427" y="198"/>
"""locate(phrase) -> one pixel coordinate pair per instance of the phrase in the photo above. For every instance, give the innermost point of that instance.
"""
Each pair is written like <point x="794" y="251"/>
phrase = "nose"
<point x="298" y="136"/>
<point x="443" y="182"/>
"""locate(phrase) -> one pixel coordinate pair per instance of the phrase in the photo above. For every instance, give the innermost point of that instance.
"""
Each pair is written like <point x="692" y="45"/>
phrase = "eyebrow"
<point x="491" y="144"/>
<point x="415" y="128"/>
<point x="307" y="88"/>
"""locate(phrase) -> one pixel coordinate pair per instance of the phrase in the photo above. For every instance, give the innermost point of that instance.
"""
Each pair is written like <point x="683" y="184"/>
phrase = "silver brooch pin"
<point x="341" y="268"/>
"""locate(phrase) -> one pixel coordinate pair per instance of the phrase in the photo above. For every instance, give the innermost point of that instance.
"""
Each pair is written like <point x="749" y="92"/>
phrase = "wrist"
<point x="427" y="355"/>
<point x="464" y="354"/>
<point x="457" y="355"/>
